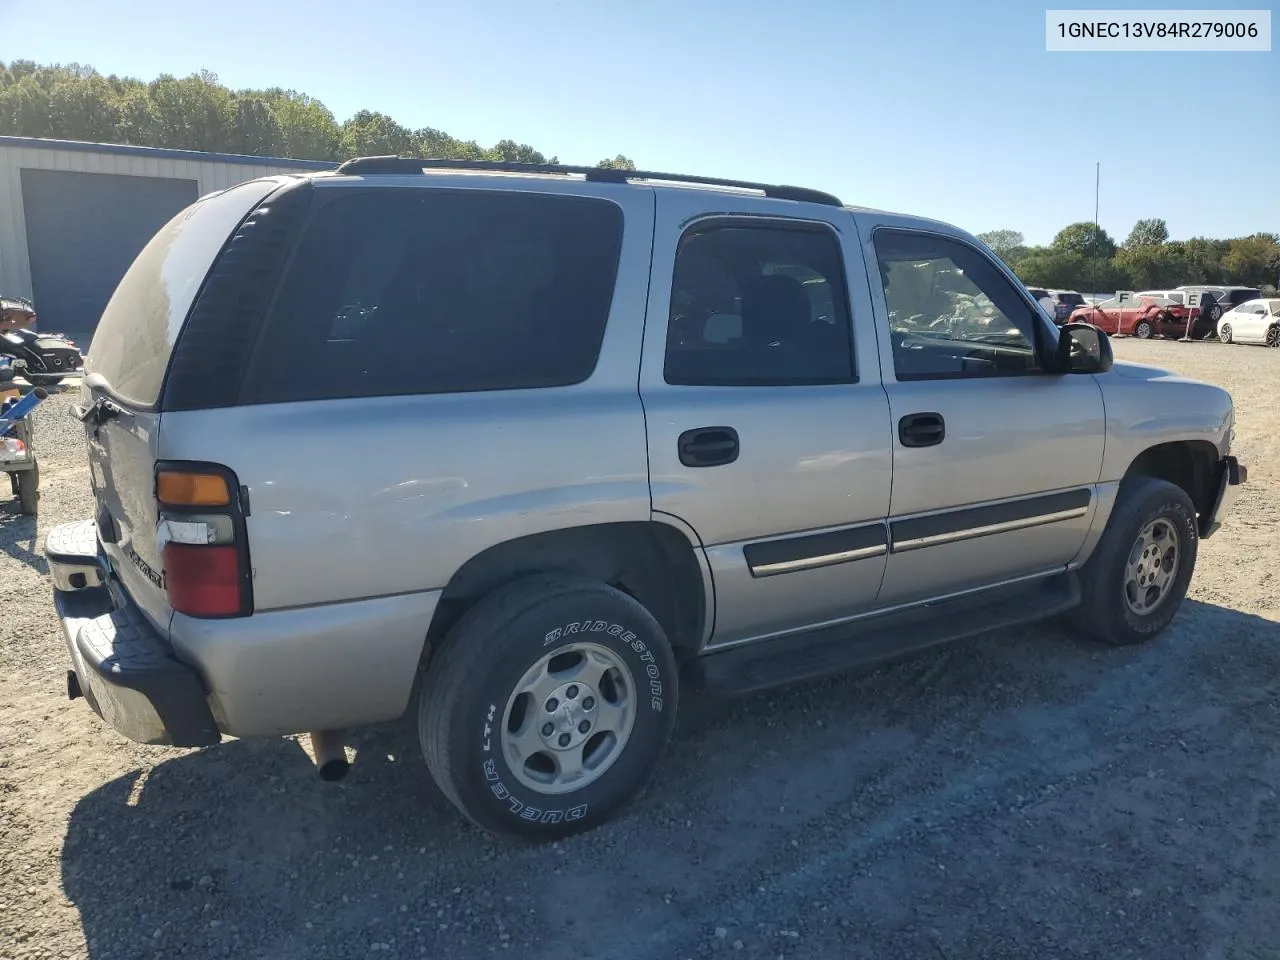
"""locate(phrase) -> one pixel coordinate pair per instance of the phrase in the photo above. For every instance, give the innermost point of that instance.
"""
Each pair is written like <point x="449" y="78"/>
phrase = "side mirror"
<point x="1083" y="348"/>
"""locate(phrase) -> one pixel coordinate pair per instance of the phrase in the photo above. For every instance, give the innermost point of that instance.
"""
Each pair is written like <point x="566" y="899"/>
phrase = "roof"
<point x="129" y="150"/>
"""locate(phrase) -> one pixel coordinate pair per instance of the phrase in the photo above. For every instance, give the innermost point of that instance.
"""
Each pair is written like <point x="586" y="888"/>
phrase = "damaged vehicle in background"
<point x="1142" y="317"/>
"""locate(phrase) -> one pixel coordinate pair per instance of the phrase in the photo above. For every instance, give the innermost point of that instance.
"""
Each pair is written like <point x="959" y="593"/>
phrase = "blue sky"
<point x="952" y="110"/>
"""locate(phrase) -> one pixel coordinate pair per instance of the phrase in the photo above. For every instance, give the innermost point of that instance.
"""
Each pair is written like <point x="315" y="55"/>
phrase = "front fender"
<point x="1146" y="406"/>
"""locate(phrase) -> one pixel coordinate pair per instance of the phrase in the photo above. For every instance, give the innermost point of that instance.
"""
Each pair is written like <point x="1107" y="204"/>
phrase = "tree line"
<point x="1084" y="257"/>
<point x="74" y="102"/>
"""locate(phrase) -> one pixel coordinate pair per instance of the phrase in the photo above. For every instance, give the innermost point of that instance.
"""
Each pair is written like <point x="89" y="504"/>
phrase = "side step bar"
<point x="877" y="638"/>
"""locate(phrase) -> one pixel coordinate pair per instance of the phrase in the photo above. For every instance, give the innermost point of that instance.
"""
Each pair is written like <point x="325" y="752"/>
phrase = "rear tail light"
<point x="201" y="533"/>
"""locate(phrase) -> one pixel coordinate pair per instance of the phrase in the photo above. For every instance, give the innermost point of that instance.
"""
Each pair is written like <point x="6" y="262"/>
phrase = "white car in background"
<point x="1255" y="321"/>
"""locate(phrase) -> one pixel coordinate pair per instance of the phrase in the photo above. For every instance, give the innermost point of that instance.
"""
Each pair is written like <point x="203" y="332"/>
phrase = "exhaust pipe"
<point x="331" y="757"/>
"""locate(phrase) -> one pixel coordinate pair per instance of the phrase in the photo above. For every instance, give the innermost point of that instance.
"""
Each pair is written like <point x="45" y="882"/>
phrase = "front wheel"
<point x="548" y="707"/>
<point x="1143" y="330"/>
<point x="1224" y="333"/>
<point x="1139" y="573"/>
<point x="1273" y="335"/>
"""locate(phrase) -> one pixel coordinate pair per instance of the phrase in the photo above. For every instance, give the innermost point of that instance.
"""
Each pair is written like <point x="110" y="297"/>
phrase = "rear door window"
<point x="415" y="291"/>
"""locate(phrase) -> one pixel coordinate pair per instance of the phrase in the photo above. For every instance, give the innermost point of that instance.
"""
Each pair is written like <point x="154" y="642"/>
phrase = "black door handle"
<point x="921" y="429"/>
<point x="708" y="446"/>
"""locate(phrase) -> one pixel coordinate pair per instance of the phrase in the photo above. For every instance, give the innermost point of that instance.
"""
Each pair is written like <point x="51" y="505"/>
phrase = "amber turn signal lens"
<point x="191" y="489"/>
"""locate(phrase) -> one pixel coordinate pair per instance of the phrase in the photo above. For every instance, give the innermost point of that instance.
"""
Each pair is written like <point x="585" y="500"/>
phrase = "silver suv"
<point x="523" y="449"/>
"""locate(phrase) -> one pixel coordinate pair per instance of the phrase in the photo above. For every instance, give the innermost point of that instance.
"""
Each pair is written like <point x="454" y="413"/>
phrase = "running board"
<point x="877" y="638"/>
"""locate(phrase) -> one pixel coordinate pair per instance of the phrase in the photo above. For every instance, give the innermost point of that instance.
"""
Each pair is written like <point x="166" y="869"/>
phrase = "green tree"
<point x="83" y="109"/>
<point x="1152" y="265"/>
<point x="514" y="152"/>
<point x="73" y="101"/>
<point x="1252" y="261"/>
<point x="254" y="128"/>
<point x="618" y="163"/>
<point x="307" y="128"/>
<point x="1003" y="241"/>
<point x="136" y="119"/>
<point x="194" y="113"/>
<point x="1148" y="233"/>
<point x="24" y="109"/>
<point x="1050" y="267"/>
<point x="1085" y="240"/>
<point x="372" y="134"/>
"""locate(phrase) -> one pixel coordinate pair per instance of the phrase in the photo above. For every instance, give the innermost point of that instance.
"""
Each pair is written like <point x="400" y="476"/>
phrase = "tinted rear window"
<point x="1071" y="299"/>
<point x="396" y="292"/>
<point x="141" y="322"/>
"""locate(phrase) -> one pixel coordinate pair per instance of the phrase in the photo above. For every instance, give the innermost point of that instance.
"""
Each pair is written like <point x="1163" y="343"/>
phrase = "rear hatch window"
<point x="416" y="291"/>
<point x="134" y="339"/>
<point x="1071" y="299"/>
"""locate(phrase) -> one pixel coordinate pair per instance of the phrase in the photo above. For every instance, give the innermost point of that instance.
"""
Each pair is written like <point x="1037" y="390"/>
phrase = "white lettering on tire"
<point x="491" y="775"/>
<point x="523" y="810"/>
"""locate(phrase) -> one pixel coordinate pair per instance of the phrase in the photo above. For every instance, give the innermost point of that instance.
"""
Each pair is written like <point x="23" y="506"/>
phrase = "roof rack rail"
<point x="373" y="166"/>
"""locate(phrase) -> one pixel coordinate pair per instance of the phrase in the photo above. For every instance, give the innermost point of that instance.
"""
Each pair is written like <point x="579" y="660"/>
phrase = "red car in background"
<point x="1141" y="317"/>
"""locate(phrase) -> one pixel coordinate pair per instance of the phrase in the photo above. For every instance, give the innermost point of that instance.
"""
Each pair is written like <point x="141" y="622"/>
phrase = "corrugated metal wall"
<point x="211" y="174"/>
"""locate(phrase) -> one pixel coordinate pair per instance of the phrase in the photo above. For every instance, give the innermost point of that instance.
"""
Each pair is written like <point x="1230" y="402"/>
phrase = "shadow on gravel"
<point x="1022" y="794"/>
<point x="18" y="533"/>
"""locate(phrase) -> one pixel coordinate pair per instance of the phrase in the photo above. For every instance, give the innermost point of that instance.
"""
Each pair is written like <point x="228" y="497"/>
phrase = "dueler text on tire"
<point x="548" y="706"/>
<point x="1138" y="575"/>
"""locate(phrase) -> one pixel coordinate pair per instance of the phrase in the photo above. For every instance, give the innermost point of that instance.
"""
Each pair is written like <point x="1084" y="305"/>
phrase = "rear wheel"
<point x="1224" y="333"/>
<point x="548" y="707"/>
<point x="1143" y="330"/>
<point x="1273" y="335"/>
<point x="1139" y="573"/>
<point x="28" y="484"/>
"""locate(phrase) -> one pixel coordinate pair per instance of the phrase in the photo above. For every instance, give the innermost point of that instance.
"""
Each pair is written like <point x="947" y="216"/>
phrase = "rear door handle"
<point x="708" y="446"/>
<point x="921" y="429"/>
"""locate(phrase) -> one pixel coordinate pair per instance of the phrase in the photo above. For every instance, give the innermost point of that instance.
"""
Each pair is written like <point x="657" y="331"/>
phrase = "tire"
<point x="1116" y="608"/>
<point x="1215" y="313"/>
<point x="28" y="484"/>
<point x="472" y="696"/>
<point x="1143" y="330"/>
<point x="1224" y="334"/>
<point x="1273" y="336"/>
<point x="44" y="379"/>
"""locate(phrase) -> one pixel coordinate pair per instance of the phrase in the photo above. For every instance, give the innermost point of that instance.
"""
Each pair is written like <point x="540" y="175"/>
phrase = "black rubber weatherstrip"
<point x="975" y="518"/>
<point x="792" y="549"/>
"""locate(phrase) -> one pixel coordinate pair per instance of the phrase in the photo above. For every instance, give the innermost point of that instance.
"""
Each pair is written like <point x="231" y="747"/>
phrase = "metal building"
<point x="74" y="215"/>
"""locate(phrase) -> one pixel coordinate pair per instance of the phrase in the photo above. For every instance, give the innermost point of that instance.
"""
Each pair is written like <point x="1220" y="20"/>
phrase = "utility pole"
<point x="1097" y="183"/>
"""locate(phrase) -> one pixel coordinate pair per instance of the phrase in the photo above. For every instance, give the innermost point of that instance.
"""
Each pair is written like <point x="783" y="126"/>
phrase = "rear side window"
<point x="141" y="322"/>
<point x="758" y="306"/>
<point x="395" y="292"/>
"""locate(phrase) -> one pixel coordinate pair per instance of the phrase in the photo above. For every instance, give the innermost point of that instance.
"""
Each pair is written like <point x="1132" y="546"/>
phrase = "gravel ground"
<point x="1020" y="795"/>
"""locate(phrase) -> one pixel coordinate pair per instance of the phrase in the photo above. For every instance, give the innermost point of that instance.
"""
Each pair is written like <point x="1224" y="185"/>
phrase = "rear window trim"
<point x="101" y="386"/>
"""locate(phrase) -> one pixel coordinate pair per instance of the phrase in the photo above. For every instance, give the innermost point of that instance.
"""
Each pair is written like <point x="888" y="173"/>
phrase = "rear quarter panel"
<point x="352" y="499"/>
